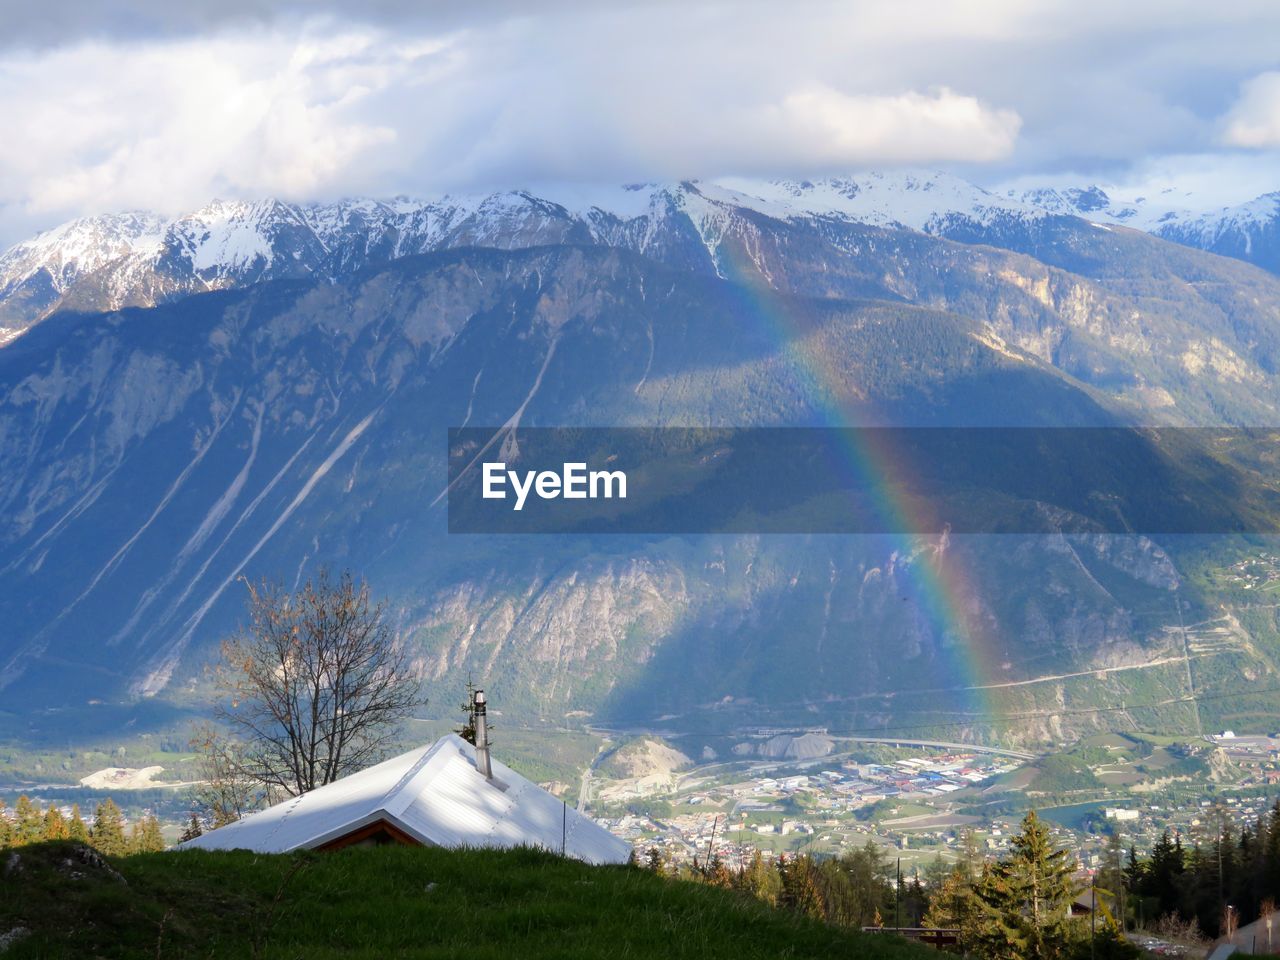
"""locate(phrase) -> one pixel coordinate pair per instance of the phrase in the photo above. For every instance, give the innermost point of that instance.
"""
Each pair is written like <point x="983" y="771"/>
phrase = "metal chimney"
<point x="482" y="737"/>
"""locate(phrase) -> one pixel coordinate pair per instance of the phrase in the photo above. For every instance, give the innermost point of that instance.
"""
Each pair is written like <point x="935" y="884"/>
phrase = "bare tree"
<point x="1267" y="914"/>
<point x="315" y="686"/>
<point x="222" y="792"/>
<point x="1172" y="927"/>
<point x="1230" y="923"/>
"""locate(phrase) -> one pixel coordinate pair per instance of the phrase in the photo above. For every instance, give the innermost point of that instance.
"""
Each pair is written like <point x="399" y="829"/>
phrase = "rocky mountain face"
<point x="157" y="449"/>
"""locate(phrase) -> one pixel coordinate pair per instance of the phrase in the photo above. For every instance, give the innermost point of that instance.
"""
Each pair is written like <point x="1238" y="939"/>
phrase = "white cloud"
<point x="837" y="129"/>
<point x="1254" y="120"/>
<point x="331" y="108"/>
<point x="246" y="98"/>
<point x="168" y="125"/>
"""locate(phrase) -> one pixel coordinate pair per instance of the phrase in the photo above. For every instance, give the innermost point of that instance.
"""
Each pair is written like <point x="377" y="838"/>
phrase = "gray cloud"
<point x="61" y="22"/>
<point x="153" y="104"/>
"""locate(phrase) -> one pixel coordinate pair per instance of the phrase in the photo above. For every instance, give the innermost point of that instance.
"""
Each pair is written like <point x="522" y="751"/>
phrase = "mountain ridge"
<point x="138" y="258"/>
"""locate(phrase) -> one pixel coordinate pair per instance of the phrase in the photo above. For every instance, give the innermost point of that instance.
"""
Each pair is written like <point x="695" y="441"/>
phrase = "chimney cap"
<point x="480" y="696"/>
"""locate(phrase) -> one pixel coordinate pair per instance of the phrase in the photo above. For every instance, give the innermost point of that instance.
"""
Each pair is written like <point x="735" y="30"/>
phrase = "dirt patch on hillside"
<point x="647" y="758"/>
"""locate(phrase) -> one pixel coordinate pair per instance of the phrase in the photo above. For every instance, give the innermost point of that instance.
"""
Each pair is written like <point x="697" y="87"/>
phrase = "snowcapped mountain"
<point x="917" y="201"/>
<point x="36" y="274"/>
<point x="1247" y="231"/>
<point x="141" y="259"/>
<point x="1094" y="203"/>
<point x="114" y="261"/>
<point x="1250" y="231"/>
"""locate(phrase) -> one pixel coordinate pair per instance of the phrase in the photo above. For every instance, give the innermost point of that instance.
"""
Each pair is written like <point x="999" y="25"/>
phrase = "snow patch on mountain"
<point x="223" y="238"/>
<point x="141" y="259"/>
<point x="917" y="200"/>
<point x="1206" y="230"/>
<point x="81" y="246"/>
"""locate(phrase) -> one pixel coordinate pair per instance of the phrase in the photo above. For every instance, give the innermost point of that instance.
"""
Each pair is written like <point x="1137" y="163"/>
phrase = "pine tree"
<point x="869" y="886"/>
<point x="760" y="879"/>
<point x="914" y="901"/>
<point x="145" y="836"/>
<point x="954" y="904"/>
<point x="1161" y="879"/>
<point x="717" y="873"/>
<point x="76" y="830"/>
<point x="6" y="828"/>
<point x="839" y="901"/>
<point x="1269" y="871"/>
<point x="192" y="830"/>
<point x="1111" y="876"/>
<point x="55" y="825"/>
<point x="970" y="856"/>
<point x="29" y="822"/>
<point x="1025" y="898"/>
<point x="1134" y="871"/>
<point x="1107" y="943"/>
<point x="108" y="829"/>
<point x="800" y="890"/>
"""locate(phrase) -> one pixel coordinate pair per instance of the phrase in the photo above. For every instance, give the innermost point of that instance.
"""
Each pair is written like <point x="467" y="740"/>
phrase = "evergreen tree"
<point x="192" y="830"/>
<point x="1025" y="899"/>
<point x="717" y="873"/>
<point x="1270" y="872"/>
<point x="870" y="888"/>
<point x="145" y="836"/>
<point x="1195" y="890"/>
<point x="800" y="889"/>
<point x="954" y="905"/>
<point x="1162" y="876"/>
<point x="76" y="830"/>
<point x="55" y="825"/>
<point x="970" y="856"/>
<point x="28" y="823"/>
<point x="936" y="872"/>
<point x="838" y="900"/>
<point x="1134" y="872"/>
<point x="1111" y="876"/>
<point x="760" y="880"/>
<point x="6" y="828"/>
<point x="914" y="902"/>
<point x="1106" y="943"/>
<point x="108" y="829"/>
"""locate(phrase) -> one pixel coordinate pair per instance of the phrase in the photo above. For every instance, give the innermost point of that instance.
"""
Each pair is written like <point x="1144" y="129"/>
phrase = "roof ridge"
<point x="414" y="769"/>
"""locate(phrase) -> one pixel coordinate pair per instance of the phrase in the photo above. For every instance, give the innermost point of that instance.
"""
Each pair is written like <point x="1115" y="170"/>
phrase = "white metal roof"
<point x="435" y="794"/>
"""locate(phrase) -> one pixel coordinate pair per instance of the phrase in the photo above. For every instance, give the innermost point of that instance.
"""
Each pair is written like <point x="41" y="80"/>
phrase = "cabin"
<point x="448" y="794"/>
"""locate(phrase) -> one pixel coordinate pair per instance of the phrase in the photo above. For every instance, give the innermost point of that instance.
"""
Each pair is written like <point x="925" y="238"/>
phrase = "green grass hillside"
<point x="390" y="902"/>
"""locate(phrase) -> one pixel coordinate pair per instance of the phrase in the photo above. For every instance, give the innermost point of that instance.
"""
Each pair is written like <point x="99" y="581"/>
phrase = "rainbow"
<point x="940" y="583"/>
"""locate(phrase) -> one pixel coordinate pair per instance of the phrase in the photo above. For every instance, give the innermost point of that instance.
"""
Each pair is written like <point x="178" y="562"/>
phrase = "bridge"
<point x="943" y="744"/>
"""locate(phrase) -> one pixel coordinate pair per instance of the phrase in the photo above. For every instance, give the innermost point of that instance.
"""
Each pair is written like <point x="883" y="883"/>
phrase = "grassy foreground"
<point x="391" y="902"/>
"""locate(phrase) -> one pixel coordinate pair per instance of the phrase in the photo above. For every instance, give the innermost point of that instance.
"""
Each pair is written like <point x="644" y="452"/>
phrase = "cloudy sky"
<point x="151" y="104"/>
